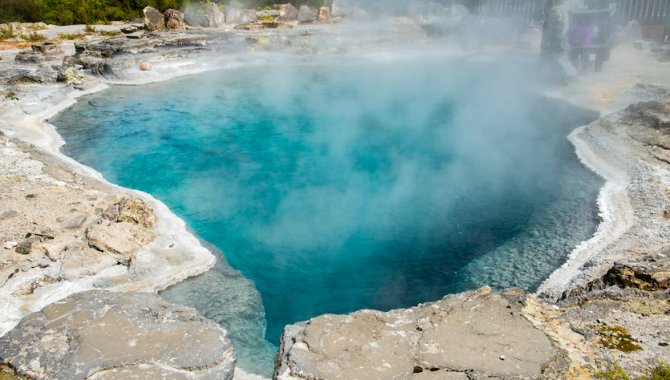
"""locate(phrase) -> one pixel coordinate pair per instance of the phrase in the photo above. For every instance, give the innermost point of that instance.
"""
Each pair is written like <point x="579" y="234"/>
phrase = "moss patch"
<point x="660" y="372"/>
<point x="7" y="373"/>
<point x="615" y="338"/>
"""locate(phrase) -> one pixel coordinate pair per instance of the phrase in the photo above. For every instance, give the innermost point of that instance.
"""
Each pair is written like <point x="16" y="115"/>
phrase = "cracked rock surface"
<point x="478" y="334"/>
<point x="105" y="335"/>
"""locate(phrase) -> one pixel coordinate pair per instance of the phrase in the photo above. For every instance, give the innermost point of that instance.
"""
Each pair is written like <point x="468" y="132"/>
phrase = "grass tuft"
<point x="71" y="36"/>
<point x="33" y="37"/>
<point x="6" y="32"/>
<point x="660" y="372"/>
<point x="109" y="33"/>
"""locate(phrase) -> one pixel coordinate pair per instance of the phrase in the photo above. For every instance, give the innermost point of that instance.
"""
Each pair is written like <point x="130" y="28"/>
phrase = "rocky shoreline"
<point x="81" y="233"/>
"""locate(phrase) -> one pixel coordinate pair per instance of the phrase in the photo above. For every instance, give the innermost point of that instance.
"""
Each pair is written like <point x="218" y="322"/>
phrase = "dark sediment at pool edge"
<point x="551" y="319"/>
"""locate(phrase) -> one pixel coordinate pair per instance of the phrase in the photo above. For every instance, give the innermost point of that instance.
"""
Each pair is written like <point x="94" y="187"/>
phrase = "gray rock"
<point x="25" y="246"/>
<point x="130" y="29"/>
<point x="240" y="16"/>
<point x="75" y="222"/>
<point x="111" y="213"/>
<point x="47" y="48"/>
<point x="102" y="335"/>
<point x="215" y="18"/>
<point x="306" y="14"/>
<point x="463" y="333"/>
<point x="324" y="14"/>
<point x="8" y="214"/>
<point x="287" y="12"/>
<point x="174" y="19"/>
<point x="193" y="18"/>
<point x="153" y="20"/>
<point x="135" y="36"/>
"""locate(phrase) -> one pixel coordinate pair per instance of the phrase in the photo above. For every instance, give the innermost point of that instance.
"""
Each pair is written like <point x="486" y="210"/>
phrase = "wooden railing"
<point x="526" y="9"/>
<point x="646" y="12"/>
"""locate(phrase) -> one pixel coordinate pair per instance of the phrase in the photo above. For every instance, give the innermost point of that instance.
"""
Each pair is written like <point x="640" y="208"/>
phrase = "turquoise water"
<point x="353" y="184"/>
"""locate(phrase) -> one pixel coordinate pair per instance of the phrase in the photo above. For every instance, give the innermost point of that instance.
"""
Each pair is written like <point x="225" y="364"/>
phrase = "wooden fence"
<point x="526" y="9"/>
<point x="646" y="12"/>
<point x="651" y="13"/>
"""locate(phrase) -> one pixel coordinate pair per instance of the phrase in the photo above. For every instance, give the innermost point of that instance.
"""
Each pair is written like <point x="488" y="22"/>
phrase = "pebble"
<point x="10" y="244"/>
<point x="24" y="246"/>
<point x="111" y="213"/>
<point x="7" y="214"/>
<point x="75" y="222"/>
<point x="502" y="357"/>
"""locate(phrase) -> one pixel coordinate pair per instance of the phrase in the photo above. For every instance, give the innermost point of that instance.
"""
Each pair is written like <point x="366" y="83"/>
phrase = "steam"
<point x="394" y="160"/>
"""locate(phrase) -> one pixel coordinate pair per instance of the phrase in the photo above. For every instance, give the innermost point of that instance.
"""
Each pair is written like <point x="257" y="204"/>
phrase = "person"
<point x="555" y="45"/>
<point x="590" y="33"/>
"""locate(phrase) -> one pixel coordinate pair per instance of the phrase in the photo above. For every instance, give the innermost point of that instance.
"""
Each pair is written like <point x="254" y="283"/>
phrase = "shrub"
<point x="613" y="371"/>
<point x="7" y="32"/>
<point x="33" y="37"/>
<point x="660" y="372"/>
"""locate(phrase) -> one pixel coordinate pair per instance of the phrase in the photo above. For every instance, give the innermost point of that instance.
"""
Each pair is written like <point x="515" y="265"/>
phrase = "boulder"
<point x="215" y="18"/>
<point x="154" y="21"/>
<point x="130" y="29"/>
<point x="240" y="16"/>
<point x="40" y="53"/>
<point x="339" y="8"/>
<point x="174" y="19"/>
<point x="324" y="14"/>
<point x="194" y="18"/>
<point x="47" y="48"/>
<point x="306" y="14"/>
<point x="287" y="12"/>
<point x="483" y="334"/>
<point x="104" y="335"/>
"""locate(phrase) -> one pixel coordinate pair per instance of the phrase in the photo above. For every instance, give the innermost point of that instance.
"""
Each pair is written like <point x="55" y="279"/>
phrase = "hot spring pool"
<point x="353" y="184"/>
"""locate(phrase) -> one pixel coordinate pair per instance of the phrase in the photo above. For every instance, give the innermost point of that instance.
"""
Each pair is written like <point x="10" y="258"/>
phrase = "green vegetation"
<point x="67" y="12"/>
<point x="7" y="373"/>
<point x="37" y="27"/>
<point x="7" y="32"/>
<point x="109" y="33"/>
<point x="615" y="372"/>
<point x="71" y="36"/>
<point x="33" y="37"/>
<point x="615" y="337"/>
<point x="660" y="372"/>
